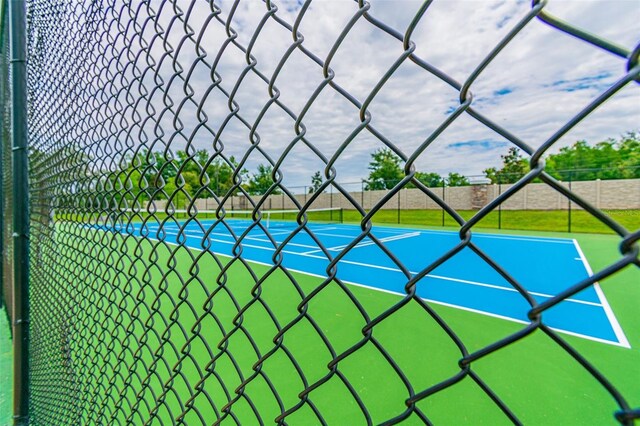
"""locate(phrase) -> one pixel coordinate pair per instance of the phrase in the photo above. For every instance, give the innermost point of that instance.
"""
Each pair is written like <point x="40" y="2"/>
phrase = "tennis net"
<point x="235" y="218"/>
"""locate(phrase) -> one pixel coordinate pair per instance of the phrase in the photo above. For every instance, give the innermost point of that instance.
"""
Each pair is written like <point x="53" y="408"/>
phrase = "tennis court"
<point x="463" y="281"/>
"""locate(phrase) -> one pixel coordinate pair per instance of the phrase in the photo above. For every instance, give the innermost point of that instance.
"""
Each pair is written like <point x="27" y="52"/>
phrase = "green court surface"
<point x="144" y="335"/>
<point x="6" y="359"/>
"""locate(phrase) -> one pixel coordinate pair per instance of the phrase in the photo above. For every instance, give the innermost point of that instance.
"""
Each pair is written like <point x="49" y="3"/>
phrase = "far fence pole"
<point x="499" y="205"/>
<point x="569" y="210"/>
<point x="331" y="203"/>
<point x="443" y="199"/>
<point x="399" y="194"/>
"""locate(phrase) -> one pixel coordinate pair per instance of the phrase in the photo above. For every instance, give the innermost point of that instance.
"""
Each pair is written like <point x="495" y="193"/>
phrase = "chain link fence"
<point x="131" y="325"/>
<point x="5" y="163"/>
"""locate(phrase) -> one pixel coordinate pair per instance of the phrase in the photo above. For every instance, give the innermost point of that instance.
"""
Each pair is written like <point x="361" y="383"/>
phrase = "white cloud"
<point x="536" y="84"/>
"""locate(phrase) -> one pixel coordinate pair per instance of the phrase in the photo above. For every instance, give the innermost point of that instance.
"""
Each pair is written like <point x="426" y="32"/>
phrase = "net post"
<point x="20" y="320"/>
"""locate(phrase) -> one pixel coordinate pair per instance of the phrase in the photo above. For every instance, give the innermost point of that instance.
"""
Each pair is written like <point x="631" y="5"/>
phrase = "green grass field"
<point x="522" y="220"/>
<point x="531" y="220"/>
<point x="146" y="326"/>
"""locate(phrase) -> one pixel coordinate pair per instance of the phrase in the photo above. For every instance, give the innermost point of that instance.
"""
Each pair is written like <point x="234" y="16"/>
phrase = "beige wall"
<point x="606" y="194"/>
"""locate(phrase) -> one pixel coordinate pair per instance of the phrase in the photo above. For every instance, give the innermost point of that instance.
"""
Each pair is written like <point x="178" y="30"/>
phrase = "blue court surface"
<point x="544" y="266"/>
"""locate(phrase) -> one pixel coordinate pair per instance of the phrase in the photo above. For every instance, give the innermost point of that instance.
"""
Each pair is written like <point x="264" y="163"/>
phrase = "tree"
<point x="431" y="179"/>
<point x="385" y="171"/>
<point x="221" y="173"/>
<point x="629" y="149"/>
<point x="609" y="159"/>
<point x="316" y="182"/>
<point x="260" y="182"/>
<point x="513" y="168"/>
<point x="456" y="179"/>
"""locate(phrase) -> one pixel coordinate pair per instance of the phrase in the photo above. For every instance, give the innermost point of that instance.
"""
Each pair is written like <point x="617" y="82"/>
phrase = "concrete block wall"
<point x="619" y="194"/>
<point x="606" y="194"/>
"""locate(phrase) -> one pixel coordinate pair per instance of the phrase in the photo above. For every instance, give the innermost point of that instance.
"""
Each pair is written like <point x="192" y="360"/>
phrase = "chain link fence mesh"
<point x="5" y="164"/>
<point x="137" y="328"/>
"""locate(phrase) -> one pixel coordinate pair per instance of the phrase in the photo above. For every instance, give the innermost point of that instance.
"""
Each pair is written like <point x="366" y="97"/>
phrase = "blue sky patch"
<point x="582" y="83"/>
<point x="503" y="91"/>
<point x="481" y="143"/>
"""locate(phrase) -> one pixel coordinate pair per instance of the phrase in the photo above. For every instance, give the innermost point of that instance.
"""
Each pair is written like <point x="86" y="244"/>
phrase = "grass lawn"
<point x="157" y="331"/>
<point x="534" y="220"/>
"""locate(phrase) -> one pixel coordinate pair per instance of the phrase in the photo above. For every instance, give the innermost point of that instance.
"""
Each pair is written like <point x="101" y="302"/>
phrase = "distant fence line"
<point x="619" y="194"/>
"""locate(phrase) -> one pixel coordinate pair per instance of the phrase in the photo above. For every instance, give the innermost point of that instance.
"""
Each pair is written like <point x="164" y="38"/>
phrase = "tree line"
<point x="385" y="173"/>
<point x="609" y="159"/>
<point x="198" y="175"/>
<point x="155" y="174"/>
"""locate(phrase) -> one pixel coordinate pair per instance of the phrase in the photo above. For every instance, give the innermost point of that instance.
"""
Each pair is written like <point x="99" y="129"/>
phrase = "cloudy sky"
<point x="539" y="81"/>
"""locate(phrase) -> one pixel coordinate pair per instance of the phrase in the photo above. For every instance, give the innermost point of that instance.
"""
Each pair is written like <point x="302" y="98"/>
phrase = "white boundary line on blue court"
<point x="622" y="340"/>
<point x="603" y="300"/>
<point x="373" y="266"/>
<point x="388" y="229"/>
<point x="366" y="243"/>
<point x="571" y="333"/>
<point x="475" y="283"/>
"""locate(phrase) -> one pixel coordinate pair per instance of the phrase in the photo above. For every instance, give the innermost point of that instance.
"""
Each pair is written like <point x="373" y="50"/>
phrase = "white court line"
<point x="266" y="240"/>
<point x="490" y="314"/>
<point x="382" y="240"/>
<point x="533" y="293"/>
<point x="351" y="237"/>
<point x="438" y="277"/>
<point x="384" y="229"/>
<point x="263" y="240"/>
<point x="605" y="303"/>
<point x="432" y="232"/>
<point x="368" y="243"/>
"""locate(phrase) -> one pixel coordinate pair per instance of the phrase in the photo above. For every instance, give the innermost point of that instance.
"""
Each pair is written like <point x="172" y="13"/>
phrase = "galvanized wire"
<point x="113" y="340"/>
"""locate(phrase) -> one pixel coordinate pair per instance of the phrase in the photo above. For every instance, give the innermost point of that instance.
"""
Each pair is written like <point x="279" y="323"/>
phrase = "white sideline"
<point x="603" y="300"/>
<point x="368" y="243"/>
<point x="622" y="340"/>
<point x="368" y="265"/>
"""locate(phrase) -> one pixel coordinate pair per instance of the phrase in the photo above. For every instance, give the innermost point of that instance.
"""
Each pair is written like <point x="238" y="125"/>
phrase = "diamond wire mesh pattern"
<point x="135" y="330"/>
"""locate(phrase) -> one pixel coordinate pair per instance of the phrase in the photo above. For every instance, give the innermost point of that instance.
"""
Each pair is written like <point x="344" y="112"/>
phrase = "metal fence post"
<point x="499" y="205"/>
<point x="443" y="199"/>
<point x="17" y="17"/>
<point x="331" y="202"/>
<point x="399" y="192"/>
<point x="569" y="209"/>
